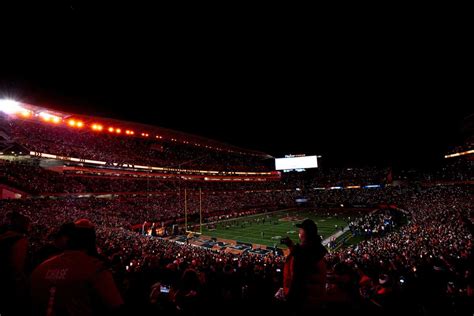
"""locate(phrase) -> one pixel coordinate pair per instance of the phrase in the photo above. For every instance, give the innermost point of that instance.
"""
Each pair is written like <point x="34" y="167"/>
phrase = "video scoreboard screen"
<point x="298" y="163"/>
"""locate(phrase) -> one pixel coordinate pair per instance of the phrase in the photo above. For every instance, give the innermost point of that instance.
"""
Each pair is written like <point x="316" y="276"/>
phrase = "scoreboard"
<point x="296" y="162"/>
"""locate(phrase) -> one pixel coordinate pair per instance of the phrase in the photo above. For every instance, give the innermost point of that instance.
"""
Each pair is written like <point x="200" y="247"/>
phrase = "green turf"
<point x="252" y="233"/>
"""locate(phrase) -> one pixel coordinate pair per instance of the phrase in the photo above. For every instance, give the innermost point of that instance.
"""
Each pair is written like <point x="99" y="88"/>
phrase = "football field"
<point x="268" y="229"/>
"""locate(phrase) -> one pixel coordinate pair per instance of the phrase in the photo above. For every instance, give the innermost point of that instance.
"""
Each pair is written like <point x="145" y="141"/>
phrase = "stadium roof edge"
<point x="157" y="129"/>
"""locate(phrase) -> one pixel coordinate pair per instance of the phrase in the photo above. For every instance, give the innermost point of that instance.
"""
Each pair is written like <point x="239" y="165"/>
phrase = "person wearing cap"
<point x="305" y="270"/>
<point x="13" y="255"/>
<point x="75" y="282"/>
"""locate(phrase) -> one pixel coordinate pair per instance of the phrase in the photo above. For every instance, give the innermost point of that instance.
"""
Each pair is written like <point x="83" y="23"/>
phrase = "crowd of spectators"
<point x="426" y="263"/>
<point x="122" y="149"/>
<point x="35" y="180"/>
<point x="28" y="176"/>
<point x="379" y="222"/>
<point x="349" y="176"/>
<point x="454" y="169"/>
<point x="31" y="178"/>
<point x="422" y="266"/>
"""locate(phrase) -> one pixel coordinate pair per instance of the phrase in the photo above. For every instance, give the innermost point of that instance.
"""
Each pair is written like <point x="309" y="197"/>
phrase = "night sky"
<point x="356" y="98"/>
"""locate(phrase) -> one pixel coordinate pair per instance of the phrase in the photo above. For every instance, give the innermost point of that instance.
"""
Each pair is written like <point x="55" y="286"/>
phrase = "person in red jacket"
<point x="304" y="280"/>
<point x="13" y="254"/>
<point x="75" y="282"/>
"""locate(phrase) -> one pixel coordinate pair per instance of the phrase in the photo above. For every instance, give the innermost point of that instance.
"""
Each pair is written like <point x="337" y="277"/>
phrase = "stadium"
<point x="188" y="225"/>
<point x="192" y="163"/>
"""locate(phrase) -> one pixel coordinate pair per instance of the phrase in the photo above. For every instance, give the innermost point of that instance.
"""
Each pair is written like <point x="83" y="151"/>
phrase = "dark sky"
<point x="354" y="96"/>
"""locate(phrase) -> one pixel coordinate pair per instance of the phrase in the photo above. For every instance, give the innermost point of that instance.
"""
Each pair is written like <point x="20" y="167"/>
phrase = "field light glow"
<point x="25" y="113"/>
<point x="97" y="127"/>
<point x="467" y="152"/>
<point x="10" y="107"/>
<point x="49" y="117"/>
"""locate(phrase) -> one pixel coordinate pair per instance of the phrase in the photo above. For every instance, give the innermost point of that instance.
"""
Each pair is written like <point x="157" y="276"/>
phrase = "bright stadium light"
<point x="111" y="129"/>
<point x="10" y="106"/>
<point x="75" y="123"/>
<point x="468" y="152"/>
<point x="45" y="116"/>
<point x="97" y="127"/>
<point x="354" y="187"/>
<point x="49" y="117"/>
<point x="25" y="113"/>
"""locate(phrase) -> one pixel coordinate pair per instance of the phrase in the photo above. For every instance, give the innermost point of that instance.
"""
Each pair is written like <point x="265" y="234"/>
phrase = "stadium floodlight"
<point x="10" y="106"/>
<point x="45" y="116"/>
<point x="353" y="187"/>
<point x="97" y="127"/>
<point x="75" y="123"/>
<point x="26" y="113"/>
<point x="467" y="152"/>
<point x="49" y="117"/>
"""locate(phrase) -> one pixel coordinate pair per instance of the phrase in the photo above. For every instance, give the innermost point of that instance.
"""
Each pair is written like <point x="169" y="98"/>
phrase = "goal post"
<point x="191" y="228"/>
